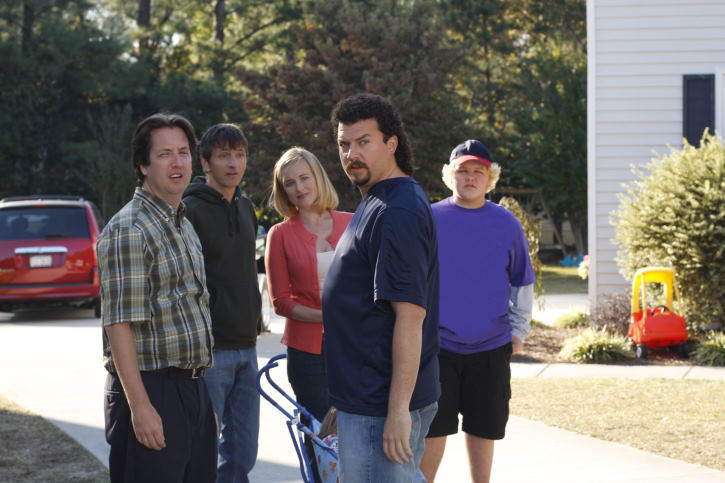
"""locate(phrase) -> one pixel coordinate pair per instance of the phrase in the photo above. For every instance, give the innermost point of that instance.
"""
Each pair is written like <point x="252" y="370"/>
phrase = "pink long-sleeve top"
<point x="291" y="265"/>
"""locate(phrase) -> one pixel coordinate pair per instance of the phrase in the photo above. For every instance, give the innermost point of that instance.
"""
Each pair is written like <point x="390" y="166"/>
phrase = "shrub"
<point x="711" y="351"/>
<point x="593" y="345"/>
<point x="572" y="320"/>
<point x="674" y="216"/>
<point x="612" y="313"/>
<point x="532" y="229"/>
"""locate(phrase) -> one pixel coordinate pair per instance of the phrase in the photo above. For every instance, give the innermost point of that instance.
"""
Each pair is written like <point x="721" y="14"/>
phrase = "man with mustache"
<point x="157" y="339"/>
<point x="380" y="302"/>
<point x="226" y="224"/>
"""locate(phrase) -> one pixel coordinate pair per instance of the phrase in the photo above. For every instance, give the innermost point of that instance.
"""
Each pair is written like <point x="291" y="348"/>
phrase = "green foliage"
<point x="595" y="346"/>
<point x="711" y="351"/>
<point x="77" y="75"/>
<point x="532" y="229"/>
<point x="674" y="216"/>
<point x="524" y="75"/>
<point x="397" y="49"/>
<point x="572" y="320"/>
<point x="550" y="113"/>
<point x="612" y="313"/>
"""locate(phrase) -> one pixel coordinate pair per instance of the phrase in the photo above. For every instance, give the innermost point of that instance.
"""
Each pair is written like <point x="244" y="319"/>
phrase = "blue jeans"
<point x="361" y="454"/>
<point x="233" y="391"/>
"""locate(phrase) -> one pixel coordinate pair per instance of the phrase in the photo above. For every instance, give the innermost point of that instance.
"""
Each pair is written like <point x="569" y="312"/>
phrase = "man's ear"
<point x="392" y="143"/>
<point x="204" y="165"/>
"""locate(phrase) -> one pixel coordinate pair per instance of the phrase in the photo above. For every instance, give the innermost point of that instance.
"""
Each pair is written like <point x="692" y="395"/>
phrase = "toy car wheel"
<point x="640" y="351"/>
<point x="682" y="350"/>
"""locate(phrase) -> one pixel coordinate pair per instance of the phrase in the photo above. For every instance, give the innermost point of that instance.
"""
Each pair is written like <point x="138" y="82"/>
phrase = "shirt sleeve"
<point x="404" y="246"/>
<point x="521" y="305"/>
<point x="278" y="279"/>
<point x="123" y="277"/>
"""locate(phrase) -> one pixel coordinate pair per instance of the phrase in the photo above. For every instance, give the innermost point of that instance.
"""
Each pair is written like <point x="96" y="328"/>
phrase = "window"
<point x="698" y="106"/>
<point x="43" y="223"/>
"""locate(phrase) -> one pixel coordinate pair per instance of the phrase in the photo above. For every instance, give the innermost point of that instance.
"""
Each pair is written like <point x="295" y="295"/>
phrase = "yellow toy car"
<point x="660" y="326"/>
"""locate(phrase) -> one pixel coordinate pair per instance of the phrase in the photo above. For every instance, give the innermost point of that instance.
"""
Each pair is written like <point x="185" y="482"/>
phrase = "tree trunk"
<point x="579" y="230"/>
<point x="144" y="22"/>
<point x="27" y="28"/>
<point x="220" y="16"/>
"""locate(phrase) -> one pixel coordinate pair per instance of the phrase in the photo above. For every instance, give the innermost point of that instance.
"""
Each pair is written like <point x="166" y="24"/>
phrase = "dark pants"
<point x="190" y="432"/>
<point x="307" y="375"/>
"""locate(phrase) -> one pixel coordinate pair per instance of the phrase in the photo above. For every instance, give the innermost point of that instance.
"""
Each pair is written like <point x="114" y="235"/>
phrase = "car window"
<point x="49" y="222"/>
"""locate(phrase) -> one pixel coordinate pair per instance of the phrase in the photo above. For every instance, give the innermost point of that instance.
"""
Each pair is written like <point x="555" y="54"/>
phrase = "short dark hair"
<point x="141" y="142"/>
<point x="221" y="136"/>
<point x="371" y="106"/>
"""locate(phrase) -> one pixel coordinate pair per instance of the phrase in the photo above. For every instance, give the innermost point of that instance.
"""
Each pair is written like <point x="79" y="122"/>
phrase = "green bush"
<point x="674" y="216"/>
<point x="592" y="345"/>
<point x="711" y="351"/>
<point x="532" y="229"/>
<point x="572" y="320"/>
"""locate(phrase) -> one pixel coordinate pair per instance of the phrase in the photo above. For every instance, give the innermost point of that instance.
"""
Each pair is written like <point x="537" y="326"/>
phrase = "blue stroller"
<point x="325" y="455"/>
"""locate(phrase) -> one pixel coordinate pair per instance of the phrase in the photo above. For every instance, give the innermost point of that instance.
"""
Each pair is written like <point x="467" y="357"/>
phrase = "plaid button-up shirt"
<point x="151" y="271"/>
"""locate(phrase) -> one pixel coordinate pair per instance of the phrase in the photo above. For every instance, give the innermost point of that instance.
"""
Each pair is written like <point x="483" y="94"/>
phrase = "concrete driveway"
<point x="51" y="363"/>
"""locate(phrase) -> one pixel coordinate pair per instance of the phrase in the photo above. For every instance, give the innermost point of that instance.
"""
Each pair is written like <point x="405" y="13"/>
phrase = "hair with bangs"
<point x="221" y="136"/>
<point x="327" y="198"/>
<point x="449" y="171"/>
<point x="143" y="137"/>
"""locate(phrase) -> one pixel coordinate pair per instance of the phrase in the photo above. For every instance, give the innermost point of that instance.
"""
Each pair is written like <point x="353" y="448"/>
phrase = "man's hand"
<point x="407" y="341"/>
<point x="145" y="420"/>
<point x="396" y="436"/>
<point x="516" y="344"/>
<point x="147" y="427"/>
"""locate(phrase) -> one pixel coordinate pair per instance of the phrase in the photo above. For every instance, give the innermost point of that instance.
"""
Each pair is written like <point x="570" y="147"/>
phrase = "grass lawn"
<point x="680" y="419"/>
<point x="562" y="280"/>
<point x="32" y="449"/>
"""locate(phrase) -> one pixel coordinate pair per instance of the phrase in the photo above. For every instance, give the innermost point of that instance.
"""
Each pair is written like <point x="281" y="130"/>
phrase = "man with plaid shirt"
<point x="157" y="337"/>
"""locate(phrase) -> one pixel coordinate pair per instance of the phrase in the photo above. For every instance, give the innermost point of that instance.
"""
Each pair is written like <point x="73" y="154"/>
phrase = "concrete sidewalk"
<point x="51" y="364"/>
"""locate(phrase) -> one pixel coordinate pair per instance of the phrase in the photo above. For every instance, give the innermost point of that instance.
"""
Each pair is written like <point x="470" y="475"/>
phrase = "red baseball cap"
<point x="471" y="150"/>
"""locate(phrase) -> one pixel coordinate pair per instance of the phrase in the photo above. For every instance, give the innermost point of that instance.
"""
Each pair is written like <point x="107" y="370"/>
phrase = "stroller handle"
<point x="293" y="419"/>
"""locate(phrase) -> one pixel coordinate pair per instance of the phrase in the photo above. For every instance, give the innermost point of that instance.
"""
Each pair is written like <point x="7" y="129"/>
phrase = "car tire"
<point x="97" y="308"/>
<point x="641" y="351"/>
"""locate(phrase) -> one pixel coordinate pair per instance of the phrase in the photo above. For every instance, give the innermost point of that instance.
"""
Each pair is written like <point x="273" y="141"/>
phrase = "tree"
<point x="58" y="67"/>
<point x="525" y="82"/>
<point x="550" y="113"/>
<point x="394" y="48"/>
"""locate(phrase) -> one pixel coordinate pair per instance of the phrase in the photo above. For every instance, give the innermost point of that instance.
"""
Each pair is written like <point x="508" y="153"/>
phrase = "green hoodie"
<point x="228" y="234"/>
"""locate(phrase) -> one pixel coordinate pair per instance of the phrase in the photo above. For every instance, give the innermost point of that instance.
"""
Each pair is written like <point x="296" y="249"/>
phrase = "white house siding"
<point x="638" y="52"/>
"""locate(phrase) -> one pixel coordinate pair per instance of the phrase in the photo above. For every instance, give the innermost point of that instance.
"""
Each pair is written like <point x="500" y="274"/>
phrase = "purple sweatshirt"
<point x="482" y="254"/>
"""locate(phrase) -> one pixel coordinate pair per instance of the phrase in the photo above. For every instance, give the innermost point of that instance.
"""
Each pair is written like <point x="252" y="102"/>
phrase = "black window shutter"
<point x="698" y="110"/>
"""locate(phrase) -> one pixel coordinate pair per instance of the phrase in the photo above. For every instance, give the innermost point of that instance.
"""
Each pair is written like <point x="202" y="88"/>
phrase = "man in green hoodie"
<point x="226" y="224"/>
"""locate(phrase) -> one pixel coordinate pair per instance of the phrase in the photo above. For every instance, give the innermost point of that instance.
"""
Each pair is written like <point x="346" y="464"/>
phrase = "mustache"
<point x="356" y="164"/>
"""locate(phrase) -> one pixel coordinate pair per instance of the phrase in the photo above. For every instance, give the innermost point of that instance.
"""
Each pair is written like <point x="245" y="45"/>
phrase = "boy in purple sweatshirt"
<point x="486" y="301"/>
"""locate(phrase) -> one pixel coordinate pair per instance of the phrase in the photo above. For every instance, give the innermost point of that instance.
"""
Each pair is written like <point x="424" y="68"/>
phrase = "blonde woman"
<point x="299" y="252"/>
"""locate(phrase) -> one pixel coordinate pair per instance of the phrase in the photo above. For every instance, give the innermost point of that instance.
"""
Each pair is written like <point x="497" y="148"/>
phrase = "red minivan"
<point x="48" y="252"/>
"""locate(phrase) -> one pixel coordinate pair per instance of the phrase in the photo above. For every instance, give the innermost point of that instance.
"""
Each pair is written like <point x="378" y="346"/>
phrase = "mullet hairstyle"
<point x="141" y="141"/>
<point x="371" y="106"/>
<point x="327" y="198"/>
